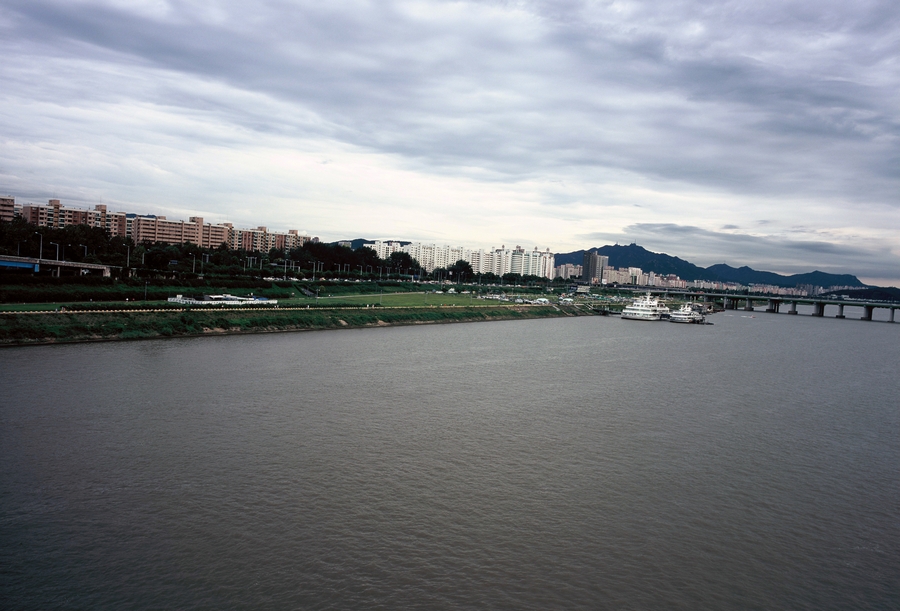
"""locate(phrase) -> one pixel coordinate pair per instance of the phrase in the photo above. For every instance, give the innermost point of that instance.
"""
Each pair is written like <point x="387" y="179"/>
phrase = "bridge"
<point x="775" y="303"/>
<point x="35" y="265"/>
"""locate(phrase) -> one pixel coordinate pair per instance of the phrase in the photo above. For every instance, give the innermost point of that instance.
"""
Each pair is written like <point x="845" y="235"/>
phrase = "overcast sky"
<point x="753" y="133"/>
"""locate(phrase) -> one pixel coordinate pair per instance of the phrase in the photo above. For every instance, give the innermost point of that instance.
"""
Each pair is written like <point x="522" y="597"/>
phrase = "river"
<point x="568" y="463"/>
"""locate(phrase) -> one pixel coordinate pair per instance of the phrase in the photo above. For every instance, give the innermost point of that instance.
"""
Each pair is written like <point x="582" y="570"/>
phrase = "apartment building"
<point x="498" y="261"/>
<point x="151" y="228"/>
<point x="54" y="214"/>
<point x="7" y="208"/>
<point x="567" y="270"/>
<point x="263" y="240"/>
<point x="592" y="267"/>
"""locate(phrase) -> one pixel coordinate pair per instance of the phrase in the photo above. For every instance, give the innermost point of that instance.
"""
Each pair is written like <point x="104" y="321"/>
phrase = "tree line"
<point x="84" y="244"/>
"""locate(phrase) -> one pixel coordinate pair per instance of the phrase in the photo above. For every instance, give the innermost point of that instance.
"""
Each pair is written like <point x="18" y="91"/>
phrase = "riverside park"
<point x="40" y="314"/>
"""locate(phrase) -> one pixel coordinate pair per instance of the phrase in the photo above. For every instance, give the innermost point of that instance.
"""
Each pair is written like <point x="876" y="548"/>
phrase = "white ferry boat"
<point x="645" y="308"/>
<point x="686" y="314"/>
<point x="214" y="300"/>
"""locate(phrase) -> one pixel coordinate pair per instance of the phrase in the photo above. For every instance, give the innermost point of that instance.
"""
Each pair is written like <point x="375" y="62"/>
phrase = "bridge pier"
<point x="840" y="313"/>
<point x="818" y="309"/>
<point x="772" y="306"/>
<point x="868" y="315"/>
<point x="892" y="313"/>
<point x="793" y="309"/>
<point x="749" y="306"/>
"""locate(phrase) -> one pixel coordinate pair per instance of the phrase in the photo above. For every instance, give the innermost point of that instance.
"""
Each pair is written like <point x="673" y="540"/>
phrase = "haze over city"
<point x="763" y="134"/>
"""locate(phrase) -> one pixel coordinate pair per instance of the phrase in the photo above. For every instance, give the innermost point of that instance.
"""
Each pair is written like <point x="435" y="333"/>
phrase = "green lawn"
<point x="324" y="300"/>
<point x="404" y="300"/>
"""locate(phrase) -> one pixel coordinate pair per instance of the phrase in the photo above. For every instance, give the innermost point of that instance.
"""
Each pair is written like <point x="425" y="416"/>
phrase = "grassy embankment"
<point x="63" y="311"/>
<point x="52" y="327"/>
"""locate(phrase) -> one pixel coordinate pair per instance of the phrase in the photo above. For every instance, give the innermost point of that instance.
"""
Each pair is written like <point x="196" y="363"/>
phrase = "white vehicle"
<point x="541" y="301"/>
<point x="645" y="308"/>
<point x="686" y="314"/>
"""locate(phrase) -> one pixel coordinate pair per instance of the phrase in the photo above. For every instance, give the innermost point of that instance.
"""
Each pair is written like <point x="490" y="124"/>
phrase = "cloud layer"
<point x="542" y="123"/>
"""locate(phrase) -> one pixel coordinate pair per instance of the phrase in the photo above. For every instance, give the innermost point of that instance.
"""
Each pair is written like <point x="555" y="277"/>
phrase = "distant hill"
<point x="638" y="256"/>
<point x="746" y="275"/>
<point x="633" y="255"/>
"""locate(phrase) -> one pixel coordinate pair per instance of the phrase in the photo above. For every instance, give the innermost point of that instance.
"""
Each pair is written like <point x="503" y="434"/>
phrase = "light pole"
<point x="85" y="250"/>
<point x="41" y="254"/>
<point x="57" y="257"/>
<point x="194" y="263"/>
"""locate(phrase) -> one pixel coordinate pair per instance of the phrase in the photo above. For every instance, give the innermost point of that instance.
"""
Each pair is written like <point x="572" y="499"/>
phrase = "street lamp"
<point x="41" y="254"/>
<point x="57" y="249"/>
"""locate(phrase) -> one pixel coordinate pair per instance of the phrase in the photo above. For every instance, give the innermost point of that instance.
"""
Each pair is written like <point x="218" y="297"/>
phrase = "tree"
<point x="402" y="260"/>
<point x="461" y="270"/>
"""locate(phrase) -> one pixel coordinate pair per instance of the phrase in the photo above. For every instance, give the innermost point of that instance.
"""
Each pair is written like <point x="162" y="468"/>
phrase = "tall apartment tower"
<point x="592" y="267"/>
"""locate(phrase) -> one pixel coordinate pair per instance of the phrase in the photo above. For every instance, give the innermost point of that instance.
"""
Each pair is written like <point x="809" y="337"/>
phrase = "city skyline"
<point x="763" y="136"/>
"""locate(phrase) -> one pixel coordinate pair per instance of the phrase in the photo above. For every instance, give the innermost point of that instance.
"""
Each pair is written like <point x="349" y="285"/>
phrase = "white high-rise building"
<point x="498" y="261"/>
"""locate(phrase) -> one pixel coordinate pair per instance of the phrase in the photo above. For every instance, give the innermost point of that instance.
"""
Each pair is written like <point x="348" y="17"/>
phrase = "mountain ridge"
<point x="634" y="255"/>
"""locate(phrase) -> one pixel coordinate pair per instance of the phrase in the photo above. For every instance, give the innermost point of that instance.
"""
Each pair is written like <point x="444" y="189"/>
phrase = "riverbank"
<point x="67" y="327"/>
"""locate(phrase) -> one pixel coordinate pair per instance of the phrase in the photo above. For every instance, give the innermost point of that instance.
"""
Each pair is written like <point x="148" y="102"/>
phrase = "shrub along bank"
<point x="18" y="329"/>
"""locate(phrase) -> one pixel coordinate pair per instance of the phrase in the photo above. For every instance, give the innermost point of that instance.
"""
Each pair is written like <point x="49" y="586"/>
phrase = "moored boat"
<point x="686" y="314"/>
<point x="646" y="307"/>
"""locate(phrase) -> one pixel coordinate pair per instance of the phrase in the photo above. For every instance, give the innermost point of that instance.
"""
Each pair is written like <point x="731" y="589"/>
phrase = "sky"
<point x="756" y="133"/>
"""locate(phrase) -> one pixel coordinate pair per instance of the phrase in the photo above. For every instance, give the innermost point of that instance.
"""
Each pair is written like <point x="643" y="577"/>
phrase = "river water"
<point x="571" y="463"/>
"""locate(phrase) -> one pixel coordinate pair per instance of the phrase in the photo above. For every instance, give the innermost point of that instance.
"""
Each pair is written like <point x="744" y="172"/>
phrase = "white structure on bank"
<point x="495" y="261"/>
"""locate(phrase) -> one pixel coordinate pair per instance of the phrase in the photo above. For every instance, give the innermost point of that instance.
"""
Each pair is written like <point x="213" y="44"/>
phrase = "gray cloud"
<point x="777" y="104"/>
<point x="573" y="89"/>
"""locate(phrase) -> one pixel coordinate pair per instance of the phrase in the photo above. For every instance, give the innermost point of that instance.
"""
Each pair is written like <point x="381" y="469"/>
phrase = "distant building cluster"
<point x="498" y="261"/>
<point x="567" y="271"/>
<point x="153" y="228"/>
<point x="797" y="291"/>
